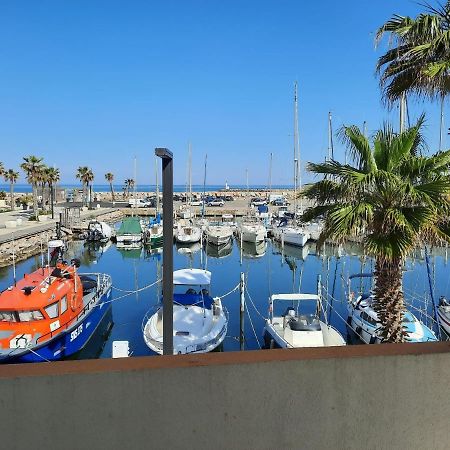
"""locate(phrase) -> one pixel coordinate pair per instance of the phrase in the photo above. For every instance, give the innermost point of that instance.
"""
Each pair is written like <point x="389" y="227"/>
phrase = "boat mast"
<point x="134" y="188"/>
<point x="204" y="187"/>
<point x="246" y="193"/>
<point x="190" y="173"/>
<point x="157" y="186"/>
<point x="297" y="162"/>
<point x="441" y="131"/>
<point x="402" y="112"/>
<point x="270" y="176"/>
<point x="330" y="138"/>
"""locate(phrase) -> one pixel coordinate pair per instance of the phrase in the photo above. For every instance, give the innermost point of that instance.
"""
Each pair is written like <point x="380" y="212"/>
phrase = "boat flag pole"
<point x="204" y="188"/>
<point x="14" y="259"/>
<point x="167" y="187"/>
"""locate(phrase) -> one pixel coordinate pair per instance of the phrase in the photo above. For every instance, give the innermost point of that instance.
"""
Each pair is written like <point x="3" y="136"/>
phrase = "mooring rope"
<point x="254" y="307"/>
<point x="253" y="328"/>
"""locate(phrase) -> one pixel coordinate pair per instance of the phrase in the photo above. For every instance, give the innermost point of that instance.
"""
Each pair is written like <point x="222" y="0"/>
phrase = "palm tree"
<point x="394" y="197"/>
<point x="89" y="177"/>
<point x="81" y="175"/>
<point x="110" y="178"/>
<point x="129" y="185"/>
<point x="11" y="177"/>
<point x="2" y="169"/>
<point x="42" y="182"/>
<point x="419" y="58"/>
<point x="53" y="176"/>
<point x="32" y="167"/>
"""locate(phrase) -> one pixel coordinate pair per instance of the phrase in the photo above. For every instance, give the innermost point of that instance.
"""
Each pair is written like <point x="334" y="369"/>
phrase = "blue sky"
<point x="98" y="82"/>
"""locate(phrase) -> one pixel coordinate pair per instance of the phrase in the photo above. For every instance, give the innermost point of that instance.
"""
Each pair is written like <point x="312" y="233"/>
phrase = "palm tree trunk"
<point x="84" y="203"/>
<point x="11" y="195"/>
<point x="112" y="191"/>
<point x="389" y="303"/>
<point x="35" y="201"/>
<point x="52" y="199"/>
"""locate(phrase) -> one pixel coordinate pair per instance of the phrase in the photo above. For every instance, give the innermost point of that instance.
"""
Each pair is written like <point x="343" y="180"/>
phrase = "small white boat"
<point x="290" y="234"/>
<point x="188" y="234"/>
<point x="252" y="232"/>
<point x="199" y="320"/>
<point x="130" y="231"/>
<point x="314" y="229"/>
<point x="98" y="231"/>
<point x="444" y="314"/>
<point x="153" y="234"/>
<point x="363" y="319"/>
<point x="228" y="220"/>
<point x="218" y="234"/>
<point x="297" y="328"/>
<point x="184" y="212"/>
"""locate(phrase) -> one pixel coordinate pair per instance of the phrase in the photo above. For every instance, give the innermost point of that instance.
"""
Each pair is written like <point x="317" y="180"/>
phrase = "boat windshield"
<point x="408" y="318"/>
<point x="21" y="316"/>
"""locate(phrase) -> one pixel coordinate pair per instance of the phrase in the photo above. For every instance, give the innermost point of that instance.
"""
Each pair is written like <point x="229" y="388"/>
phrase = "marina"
<point x="269" y="269"/>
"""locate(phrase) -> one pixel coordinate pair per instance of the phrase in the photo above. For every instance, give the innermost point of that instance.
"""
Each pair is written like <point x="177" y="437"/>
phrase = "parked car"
<point x="228" y="198"/>
<point x="280" y="202"/>
<point x="215" y="202"/>
<point x="256" y="201"/>
<point x="196" y="203"/>
<point x="139" y="203"/>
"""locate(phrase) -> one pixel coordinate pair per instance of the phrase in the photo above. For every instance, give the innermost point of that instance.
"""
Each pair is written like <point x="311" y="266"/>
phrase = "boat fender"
<point x="358" y="330"/>
<point x="73" y="302"/>
<point x="372" y="339"/>
<point x="349" y="321"/>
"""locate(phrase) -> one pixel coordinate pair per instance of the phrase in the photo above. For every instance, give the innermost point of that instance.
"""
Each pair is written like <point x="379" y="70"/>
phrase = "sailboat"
<point x="285" y="232"/>
<point x="251" y="230"/>
<point x="188" y="233"/>
<point x="153" y="234"/>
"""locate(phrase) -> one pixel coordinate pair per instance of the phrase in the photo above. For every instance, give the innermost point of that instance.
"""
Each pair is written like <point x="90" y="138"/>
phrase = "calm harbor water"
<point x="268" y="269"/>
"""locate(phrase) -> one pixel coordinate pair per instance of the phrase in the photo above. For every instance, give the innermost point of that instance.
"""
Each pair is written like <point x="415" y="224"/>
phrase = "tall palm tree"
<point x="110" y="178"/>
<point x="81" y="175"/>
<point x="53" y="176"/>
<point x="2" y="169"/>
<point x="419" y="58"/>
<point x="42" y="183"/>
<point x="392" y="196"/>
<point x="11" y="177"/>
<point x="89" y="177"/>
<point x="32" y="167"/>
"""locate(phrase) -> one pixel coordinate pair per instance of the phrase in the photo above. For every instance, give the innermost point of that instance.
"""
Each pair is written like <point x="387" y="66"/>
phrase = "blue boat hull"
<point x="69" y="341"/>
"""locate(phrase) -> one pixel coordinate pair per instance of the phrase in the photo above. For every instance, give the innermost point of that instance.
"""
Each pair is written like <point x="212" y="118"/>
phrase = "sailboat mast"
<point x="441" y="131"/>
<point x="330" y="138"/>
<point x="204" y="187"/>
<point x="134" y="187"/>
<point x="270" y="176"/>
<point x="190" y="173"/>
<point x="297" y="161"/>
<point x="246" y="193"/>
<point x="402" y="112"/>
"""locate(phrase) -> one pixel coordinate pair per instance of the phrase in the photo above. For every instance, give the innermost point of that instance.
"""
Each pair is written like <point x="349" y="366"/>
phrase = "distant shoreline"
<point x="119" y="188"/>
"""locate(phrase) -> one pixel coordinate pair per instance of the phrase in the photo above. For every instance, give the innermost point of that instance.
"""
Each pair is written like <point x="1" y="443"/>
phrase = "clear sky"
<point x="92" y="82"/>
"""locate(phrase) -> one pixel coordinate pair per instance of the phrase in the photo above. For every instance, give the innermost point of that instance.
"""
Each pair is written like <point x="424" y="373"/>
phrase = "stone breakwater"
<point x="24" y="247"/>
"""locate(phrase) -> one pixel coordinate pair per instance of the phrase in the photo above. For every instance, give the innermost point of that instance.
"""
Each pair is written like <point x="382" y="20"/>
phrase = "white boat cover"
<point x="192" y="277"/>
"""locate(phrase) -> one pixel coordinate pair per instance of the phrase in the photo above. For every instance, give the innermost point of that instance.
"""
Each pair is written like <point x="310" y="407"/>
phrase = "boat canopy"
<point x="294" y="297"/>
<point x="130" y="225"/>
<point x="191" y="277"/>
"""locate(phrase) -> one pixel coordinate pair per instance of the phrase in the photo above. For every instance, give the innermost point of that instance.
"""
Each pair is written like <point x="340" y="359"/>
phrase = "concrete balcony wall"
<point x="359" y="397"/>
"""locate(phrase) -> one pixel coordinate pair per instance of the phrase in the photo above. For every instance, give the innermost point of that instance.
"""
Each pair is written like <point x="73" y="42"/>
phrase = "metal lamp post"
<point x="167" y="185"/>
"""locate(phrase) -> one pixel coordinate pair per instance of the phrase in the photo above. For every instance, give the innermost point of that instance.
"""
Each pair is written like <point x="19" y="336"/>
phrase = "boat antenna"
<point x="14" y="259"/>
<point x="190" y="174"/>
<point x="204" y="187"/>
<point x="270" y="175"/>
<point x="441" y="128"/>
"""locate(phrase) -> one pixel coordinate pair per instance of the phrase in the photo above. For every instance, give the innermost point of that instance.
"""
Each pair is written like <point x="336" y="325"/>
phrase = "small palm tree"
<point x="419" y="59"/>
<point x="42" y="182"/>
<point x="129" y="185"/>
<point x="2" y="169"/>
<point x="11" y="177"/>
<point x="32" y="167"/>
<point x="53" y="177"/>
<point x="110" y="178"/>
<point x="392" y="196"/>
<point x="89" y="177"/>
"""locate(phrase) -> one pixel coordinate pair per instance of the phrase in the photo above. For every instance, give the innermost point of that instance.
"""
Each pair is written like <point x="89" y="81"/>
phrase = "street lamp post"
<point x="167" y="186"/>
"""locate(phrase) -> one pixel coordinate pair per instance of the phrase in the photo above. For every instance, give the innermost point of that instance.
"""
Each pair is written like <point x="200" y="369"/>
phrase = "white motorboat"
<point x="98" y="231"/>
<point x="130" y="231"/>
<point x="363" y="319"/>
<point x="444" y="314"/>
<point x="314" y="229"/>
<point x="188" y="234"/>
<point x="199" y="320"/>
<point x="252" y="232"/>
<point x="290" y="234"/>
<point x="298" y="327"/>
<point x="218" y="234"/>
<point x="228" y="220"/>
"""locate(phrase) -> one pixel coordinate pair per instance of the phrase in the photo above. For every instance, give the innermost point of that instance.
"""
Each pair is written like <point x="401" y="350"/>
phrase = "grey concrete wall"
<point x="261" y="400"/>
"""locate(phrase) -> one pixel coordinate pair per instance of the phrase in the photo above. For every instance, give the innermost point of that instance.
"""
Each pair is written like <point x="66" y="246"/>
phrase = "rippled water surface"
<point x="268" y="269"/>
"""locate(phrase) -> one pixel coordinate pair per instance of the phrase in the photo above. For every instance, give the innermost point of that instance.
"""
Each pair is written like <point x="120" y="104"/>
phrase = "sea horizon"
<point x="26" y="188"/>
